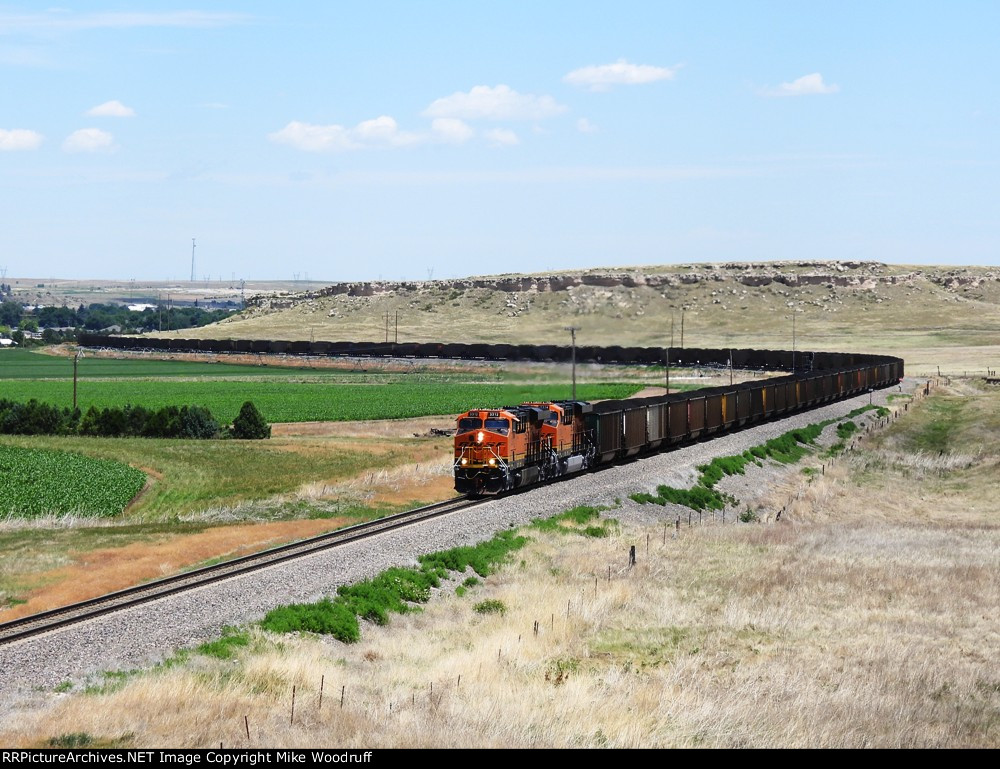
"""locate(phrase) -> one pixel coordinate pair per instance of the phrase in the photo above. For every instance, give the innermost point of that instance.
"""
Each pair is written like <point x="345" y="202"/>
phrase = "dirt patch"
<point x="97" y="572"/>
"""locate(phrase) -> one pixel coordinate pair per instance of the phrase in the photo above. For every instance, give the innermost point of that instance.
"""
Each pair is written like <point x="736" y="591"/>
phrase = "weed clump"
<point x="490" y="606"/>
<point x="325" y="617"/>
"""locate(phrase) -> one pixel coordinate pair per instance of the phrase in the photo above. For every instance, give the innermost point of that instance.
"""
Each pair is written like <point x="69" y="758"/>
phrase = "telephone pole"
<point x="572" y="331"/>
<point x="793" y="341"/>
<point x="192" y="260"/>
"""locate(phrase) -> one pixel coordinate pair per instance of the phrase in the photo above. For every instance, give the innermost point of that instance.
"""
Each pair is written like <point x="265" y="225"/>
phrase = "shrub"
<point x="846" y="429"/>
<point x="250" y="425"/>
<point x="198" y="422"/>
<point x="490" y="606"/>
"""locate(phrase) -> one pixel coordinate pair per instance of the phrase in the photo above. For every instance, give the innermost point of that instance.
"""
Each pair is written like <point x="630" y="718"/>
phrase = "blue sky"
<point x="349" y="141"/>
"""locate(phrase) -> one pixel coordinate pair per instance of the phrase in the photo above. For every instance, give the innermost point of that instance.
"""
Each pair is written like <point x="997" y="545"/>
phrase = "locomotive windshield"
<point x="468" y="424"/>
<point x="501" y="426"/>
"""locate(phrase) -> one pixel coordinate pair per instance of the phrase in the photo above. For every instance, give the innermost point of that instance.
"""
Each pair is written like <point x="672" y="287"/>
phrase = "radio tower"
<point x="192" y="260"/>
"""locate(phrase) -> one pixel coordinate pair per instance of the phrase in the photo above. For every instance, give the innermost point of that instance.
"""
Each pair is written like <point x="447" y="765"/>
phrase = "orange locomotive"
<point x="502" y="449"/>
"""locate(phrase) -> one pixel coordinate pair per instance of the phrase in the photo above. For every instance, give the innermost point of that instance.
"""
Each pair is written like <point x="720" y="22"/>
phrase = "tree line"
<point x="95" y="317"/>
<point x="35" y="418"/>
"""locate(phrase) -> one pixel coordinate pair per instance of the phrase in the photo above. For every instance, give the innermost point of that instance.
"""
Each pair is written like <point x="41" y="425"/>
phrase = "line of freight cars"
<point x="624" y="428"/>
<point x="499" y="448"/>
<point x="762" y="360"/>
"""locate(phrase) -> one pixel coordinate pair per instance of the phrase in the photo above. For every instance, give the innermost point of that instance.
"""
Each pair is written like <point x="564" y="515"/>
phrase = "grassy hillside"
<point x="933" y="316"/>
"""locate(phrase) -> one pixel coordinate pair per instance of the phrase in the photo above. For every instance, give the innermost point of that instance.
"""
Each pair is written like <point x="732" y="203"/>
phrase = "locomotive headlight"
<point x="492" y="461"/>
<point x="464" y="461"/>
<point x="479" y="436"/>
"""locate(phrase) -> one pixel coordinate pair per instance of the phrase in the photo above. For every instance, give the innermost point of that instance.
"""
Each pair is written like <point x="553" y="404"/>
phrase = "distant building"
<point x="141" y="307"/>
<point x="7" y="343"/>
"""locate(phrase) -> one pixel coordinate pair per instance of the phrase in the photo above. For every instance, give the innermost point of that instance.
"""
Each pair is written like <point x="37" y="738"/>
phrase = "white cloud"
<point x="602" y="77"/>
<point x="452" y="130"/>
<point x="502" y="137"/>
<point x="112" y="108"/>
<point x="807" y="85"/>
<point x="584" y="126"/>
<point x="501" y="102"/>
<point x="89" y="140"/>
<point x="58" y="19"/>
<point x="383" y="131"/>
<point x="313" y="138"/>
<point x="19" y="139"/>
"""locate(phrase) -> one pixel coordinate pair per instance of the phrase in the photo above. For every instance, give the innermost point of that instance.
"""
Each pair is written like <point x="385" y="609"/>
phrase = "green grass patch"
<point x="85" y="740"/>
<point x="324" y="617"/>
<point x="36" y="482"/>
<point x="846" y="429"/>
<point x="225" y="646"/>
<point x="577" y="520"/>
<point x="939" y="425"/>
<point x="483" y="558"/>
<point x="490" y="606"/>
<point x="395" y="590"/>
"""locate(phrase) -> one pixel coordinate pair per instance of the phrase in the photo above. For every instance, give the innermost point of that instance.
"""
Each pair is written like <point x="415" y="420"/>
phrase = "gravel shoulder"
<point x="144" y="635"/>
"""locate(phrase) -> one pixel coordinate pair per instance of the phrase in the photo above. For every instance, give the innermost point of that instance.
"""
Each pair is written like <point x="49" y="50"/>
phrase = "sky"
<point x="399" y="140"/>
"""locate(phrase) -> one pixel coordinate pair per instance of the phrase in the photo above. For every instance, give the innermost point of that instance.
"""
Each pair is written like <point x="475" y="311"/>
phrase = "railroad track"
<point x="53" y="619"/>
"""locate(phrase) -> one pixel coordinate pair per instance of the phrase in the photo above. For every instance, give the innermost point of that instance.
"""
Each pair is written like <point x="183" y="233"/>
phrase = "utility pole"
<point x="667" y="384"/>
<point x="572" y="332"/>
<point x="192" y="260"/>
<point x="671" y="328"/>
<point x="730" y="365"/>
<point x="682" y="328"/>
<point x="397" y="326"/>
<point x="387" y="327"/>
<point x="793" y="341"/>
<point x="76" y="361"/>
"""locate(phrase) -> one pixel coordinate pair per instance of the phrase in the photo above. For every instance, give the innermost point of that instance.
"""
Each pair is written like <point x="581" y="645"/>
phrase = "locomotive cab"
<point x="483" y="450"/>
<point x="503" y="449"/>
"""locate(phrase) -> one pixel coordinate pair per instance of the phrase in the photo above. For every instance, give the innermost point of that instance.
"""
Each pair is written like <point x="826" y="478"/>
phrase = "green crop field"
<point x="282" y="395"/>
<point x="25" y="364"/>
<point x="36" y="482"/>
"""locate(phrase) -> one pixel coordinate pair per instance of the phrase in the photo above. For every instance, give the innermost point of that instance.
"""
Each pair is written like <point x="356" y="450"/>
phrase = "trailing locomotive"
<point x="500" y="449"/>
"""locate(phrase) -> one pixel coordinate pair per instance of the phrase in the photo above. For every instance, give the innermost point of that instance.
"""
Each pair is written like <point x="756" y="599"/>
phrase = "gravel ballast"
<point x="143" y="635"/>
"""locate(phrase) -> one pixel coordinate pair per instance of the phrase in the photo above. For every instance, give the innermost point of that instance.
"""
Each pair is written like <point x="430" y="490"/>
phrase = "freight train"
<point x="499" y="449"/>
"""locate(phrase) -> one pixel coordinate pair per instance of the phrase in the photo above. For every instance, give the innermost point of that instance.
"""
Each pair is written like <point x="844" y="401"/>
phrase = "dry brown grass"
<point x="866" y="618"/>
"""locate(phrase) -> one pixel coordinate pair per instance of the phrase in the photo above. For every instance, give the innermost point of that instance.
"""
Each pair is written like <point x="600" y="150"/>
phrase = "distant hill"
<point x="836" y="305"/>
